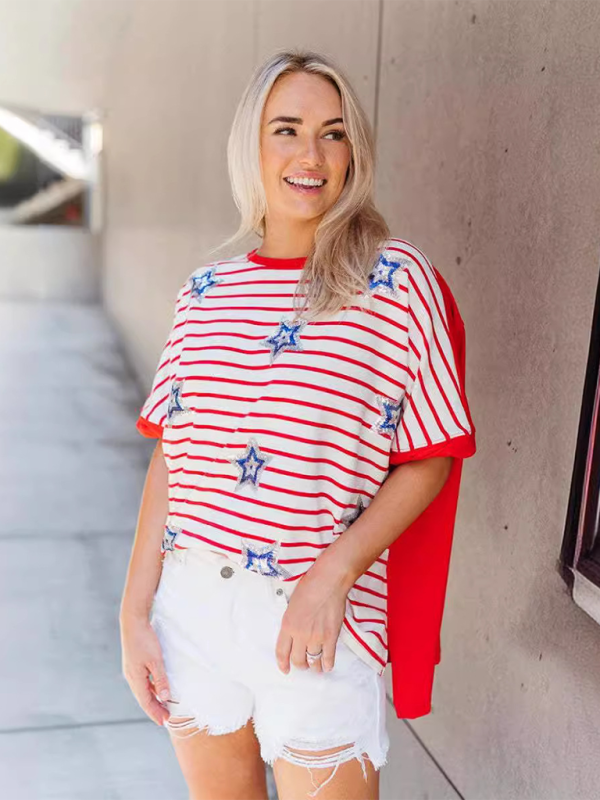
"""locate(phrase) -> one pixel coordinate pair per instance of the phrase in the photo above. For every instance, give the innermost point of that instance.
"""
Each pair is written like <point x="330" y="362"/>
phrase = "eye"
<point x="339" y="134"/>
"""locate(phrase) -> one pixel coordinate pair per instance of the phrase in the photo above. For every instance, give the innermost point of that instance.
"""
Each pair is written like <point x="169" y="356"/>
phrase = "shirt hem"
<point x="459" y="447"/>
<point x="349" y="640"/>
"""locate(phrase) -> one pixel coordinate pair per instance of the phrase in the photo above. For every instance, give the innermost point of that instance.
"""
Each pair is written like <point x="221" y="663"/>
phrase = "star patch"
<point x="352" y="514"/>
<point x="286" y="337"/>
<point x="175" y="404"/>
<point x="262" y="559"/>
<point x="250" y="465"/>
<point x="389" y="417"/>
<point x="202" y="283"/>
<point x="170" y="534"/>
<point x="384" y="276"/>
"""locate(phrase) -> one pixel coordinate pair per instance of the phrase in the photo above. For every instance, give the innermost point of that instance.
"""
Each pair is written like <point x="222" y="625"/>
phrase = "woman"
<point x="270" y="502"/>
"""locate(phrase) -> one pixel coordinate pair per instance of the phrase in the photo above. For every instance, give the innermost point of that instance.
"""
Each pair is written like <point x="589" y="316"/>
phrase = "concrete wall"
<point x="49" y="262"/>
<point x="487" y="119"/>
<point x="169" y="108"/>
<point x="57" y="55"/>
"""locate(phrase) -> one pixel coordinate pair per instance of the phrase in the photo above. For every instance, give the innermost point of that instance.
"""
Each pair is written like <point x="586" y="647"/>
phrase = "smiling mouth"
<point x="305" y="188"/>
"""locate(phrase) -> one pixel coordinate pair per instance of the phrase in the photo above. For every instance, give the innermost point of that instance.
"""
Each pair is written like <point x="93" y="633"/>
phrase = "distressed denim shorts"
<point x="217" y="623"/>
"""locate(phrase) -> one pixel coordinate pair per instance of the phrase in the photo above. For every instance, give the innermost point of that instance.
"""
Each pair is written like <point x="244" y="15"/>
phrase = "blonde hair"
<point x="350" y="235"/>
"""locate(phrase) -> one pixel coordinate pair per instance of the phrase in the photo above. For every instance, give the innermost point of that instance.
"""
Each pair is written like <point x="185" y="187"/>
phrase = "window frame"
<point x="579" y="562"/>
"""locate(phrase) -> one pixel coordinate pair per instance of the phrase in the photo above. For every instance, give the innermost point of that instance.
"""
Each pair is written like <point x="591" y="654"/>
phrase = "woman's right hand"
<point x="143" y="667"/>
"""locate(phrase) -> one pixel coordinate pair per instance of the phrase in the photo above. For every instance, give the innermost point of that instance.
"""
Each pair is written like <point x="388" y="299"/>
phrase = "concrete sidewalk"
<point x="72" y="468"/>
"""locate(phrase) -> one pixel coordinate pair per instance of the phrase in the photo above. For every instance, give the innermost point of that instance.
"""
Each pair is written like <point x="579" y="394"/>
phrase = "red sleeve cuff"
<point x="459" y="447"/>
<point x="149" y="429"/>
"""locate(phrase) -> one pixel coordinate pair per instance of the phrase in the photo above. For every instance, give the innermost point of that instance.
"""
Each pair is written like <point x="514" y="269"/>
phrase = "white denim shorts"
<point x="217" y="623"/>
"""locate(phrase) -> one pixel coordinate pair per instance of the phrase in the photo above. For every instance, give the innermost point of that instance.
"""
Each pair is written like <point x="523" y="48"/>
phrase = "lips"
<point x="313" y="177"/>
<point x="300" y="189"/>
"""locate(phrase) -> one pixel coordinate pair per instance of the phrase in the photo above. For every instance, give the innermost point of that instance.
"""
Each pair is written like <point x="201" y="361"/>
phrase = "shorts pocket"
<point x="192" y="583"/>
<point x="349" y="663"/>
<point x="168" y="591"/>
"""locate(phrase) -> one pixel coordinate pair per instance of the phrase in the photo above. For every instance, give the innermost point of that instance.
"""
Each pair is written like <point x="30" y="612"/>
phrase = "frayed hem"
<point x="185" y="727"/>
<point x="318" y="760"/>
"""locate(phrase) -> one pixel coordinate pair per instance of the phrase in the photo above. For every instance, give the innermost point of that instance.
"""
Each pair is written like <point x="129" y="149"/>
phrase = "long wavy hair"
<point x="349" y="237"/>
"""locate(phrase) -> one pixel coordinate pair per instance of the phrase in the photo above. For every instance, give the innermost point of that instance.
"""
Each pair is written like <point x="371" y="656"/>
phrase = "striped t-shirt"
<point x="277" y="433"/>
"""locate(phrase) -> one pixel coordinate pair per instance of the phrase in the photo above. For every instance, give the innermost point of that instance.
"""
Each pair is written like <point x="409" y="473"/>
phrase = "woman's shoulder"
<point x="410" y="256"/>
<point x="213" y="266"/>
<point x="202" y="277"/>
<point x="425" y="281"/>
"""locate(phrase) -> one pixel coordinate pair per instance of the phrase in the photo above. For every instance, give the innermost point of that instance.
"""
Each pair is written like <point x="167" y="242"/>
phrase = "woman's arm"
<point x="142" y="659"/>
<point x="403" y="496"/>
<point x="316" y="609"/>
<point x="145" y="563"/>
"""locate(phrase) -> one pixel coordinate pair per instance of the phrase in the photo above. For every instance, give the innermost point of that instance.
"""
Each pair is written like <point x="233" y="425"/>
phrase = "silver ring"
<point x="312" y="657"/>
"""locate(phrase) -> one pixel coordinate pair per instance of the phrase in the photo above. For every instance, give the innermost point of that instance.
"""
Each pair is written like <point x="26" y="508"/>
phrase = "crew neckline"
<point x="268" y="261"/>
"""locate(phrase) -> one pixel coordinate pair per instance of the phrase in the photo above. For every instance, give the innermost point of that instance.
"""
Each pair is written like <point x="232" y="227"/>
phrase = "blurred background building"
<point x="50" y="203"/>
<point x="114" y="118"/>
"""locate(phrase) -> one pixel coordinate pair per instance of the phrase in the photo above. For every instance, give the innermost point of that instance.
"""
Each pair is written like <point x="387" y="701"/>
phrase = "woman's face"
<point x="311" y="142"/>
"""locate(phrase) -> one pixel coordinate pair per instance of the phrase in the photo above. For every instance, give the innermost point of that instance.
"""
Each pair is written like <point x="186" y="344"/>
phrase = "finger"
<point x="298" y="655"/>
<point x="328" y="657"/>
<point x="317" y="665"/>
<point x="159" y="678"/>
<point x="283" y="648"/>
<point x="155" y="710"/>
<point x="142" y="691"/>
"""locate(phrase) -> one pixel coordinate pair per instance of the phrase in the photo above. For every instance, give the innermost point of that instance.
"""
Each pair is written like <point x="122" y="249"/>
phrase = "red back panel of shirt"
<point x="418" y="568"/>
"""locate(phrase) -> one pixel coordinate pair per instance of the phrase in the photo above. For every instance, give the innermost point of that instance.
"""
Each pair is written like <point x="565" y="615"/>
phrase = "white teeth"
<point x="305" y="181"/>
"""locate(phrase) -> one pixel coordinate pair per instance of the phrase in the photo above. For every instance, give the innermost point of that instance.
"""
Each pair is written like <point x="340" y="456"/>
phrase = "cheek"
<point x="340" y="177"/>
<point x="340" y="166"/>
<point x="275" y="156"/>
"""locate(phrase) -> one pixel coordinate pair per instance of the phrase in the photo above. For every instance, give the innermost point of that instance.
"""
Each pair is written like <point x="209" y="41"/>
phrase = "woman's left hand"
<point x="312" y="621"/>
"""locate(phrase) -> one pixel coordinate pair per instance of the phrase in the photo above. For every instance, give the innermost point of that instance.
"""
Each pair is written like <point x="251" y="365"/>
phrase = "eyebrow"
<point x="298" y="120"/>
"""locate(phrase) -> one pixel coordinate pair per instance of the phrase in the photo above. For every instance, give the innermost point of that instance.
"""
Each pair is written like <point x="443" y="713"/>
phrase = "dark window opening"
<point x="580" y="550"/>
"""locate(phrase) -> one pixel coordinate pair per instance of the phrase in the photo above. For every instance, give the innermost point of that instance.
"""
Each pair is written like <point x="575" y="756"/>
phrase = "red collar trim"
<point x="276" y="263"/>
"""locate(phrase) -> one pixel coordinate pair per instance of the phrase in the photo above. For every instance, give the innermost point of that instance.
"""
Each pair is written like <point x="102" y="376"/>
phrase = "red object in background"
<point x="72" y="213"/>
<point x="419" y="561"/>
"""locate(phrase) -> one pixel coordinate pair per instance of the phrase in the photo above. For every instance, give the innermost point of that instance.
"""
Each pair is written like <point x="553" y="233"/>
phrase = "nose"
<point x="313" y="154"/>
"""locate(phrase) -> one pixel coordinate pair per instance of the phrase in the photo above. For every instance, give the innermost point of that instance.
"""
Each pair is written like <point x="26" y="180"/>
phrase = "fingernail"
<point x="164" y="695"/>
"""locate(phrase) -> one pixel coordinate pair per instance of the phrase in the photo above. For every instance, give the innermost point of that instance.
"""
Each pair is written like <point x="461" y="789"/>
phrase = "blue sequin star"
<point x="383" y="277"/>
<point x="389" y="417"/>
<point x="202" y="283"/>
<point x="286" y="337"/>
<point x="175" y="406"/>
<point x="250" y="465"/>
<point x="262" y="559"/>
<point x="170" y="534"/>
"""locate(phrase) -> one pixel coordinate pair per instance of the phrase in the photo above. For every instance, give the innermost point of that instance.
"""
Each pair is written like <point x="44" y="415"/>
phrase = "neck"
<point x="289" y="240"/>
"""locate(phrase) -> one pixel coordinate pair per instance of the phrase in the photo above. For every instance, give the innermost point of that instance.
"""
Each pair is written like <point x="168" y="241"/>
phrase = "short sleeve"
<point x="153" y="414"/>
<point x="435" y="419"/>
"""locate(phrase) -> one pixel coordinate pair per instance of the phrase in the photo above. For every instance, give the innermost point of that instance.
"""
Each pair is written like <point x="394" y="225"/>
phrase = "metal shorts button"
<point x="226" y="572"/>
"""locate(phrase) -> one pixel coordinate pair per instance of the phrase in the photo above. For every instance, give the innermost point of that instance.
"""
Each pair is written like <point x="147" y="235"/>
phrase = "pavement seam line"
<point x="67" y="726"/>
